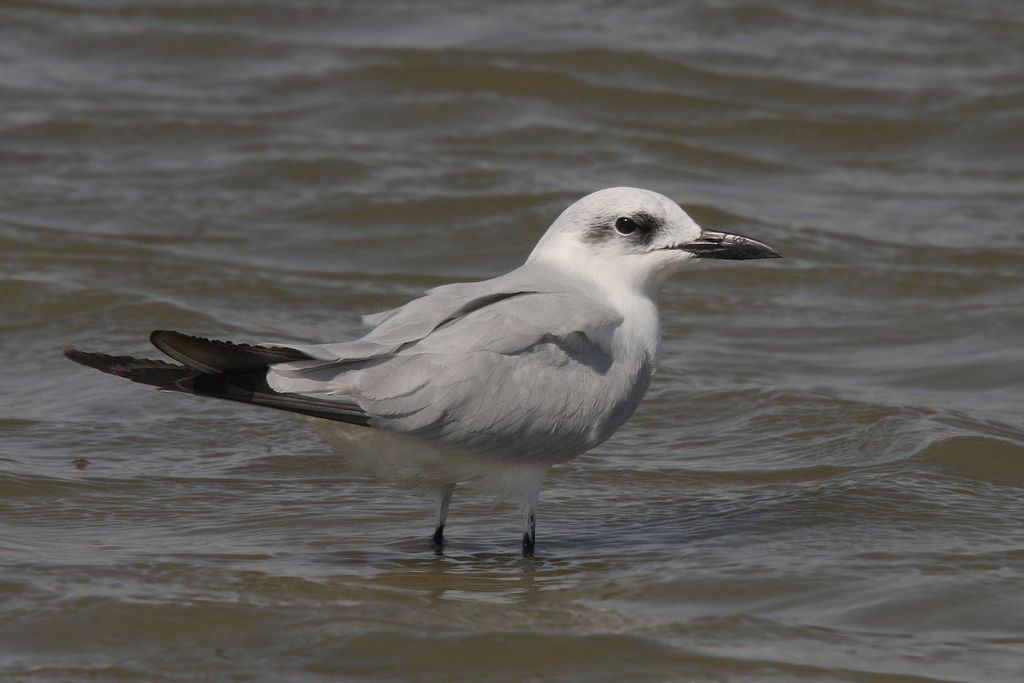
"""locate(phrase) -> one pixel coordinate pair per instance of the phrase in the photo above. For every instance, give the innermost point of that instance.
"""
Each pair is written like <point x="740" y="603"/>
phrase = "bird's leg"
<point x="529" y="535"/>
<point x="444" y="498"/>
<point x="529" y="510"/>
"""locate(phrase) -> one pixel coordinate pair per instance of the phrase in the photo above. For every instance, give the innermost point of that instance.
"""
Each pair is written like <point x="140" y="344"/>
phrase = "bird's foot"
<point x="437" y="540"/>
<point x="528" y="545"/>
<point x="530" y="531"/>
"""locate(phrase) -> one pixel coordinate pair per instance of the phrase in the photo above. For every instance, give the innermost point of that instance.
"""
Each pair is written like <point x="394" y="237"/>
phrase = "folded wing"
<point x="530" y="364"/>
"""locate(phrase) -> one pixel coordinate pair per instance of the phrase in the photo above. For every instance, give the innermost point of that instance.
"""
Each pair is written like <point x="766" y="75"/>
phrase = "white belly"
<point x="417" y="463"/>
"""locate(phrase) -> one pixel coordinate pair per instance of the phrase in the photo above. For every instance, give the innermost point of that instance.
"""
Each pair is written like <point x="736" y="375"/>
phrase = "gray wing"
<point x="441" y="305"/>
<point x="519" y="377"/>
<point x="513" y="371"/>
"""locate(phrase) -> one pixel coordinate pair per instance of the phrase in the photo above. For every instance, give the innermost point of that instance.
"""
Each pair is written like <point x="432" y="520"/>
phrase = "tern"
<point x="490" y="382"/>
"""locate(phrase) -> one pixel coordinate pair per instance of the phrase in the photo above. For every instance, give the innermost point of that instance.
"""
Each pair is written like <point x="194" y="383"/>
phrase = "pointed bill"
<point x="725" y="245"/>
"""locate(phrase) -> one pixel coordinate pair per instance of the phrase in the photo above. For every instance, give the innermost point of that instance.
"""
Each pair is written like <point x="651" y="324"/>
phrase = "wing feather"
<point x="527" y="364"/>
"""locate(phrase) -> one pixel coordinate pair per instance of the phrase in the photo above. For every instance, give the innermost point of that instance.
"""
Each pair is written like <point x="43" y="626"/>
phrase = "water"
<point x="826" y="481"/>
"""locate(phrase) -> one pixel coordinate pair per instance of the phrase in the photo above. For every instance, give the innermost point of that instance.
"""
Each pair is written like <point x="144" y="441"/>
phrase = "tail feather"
<point x="233" y="372"/>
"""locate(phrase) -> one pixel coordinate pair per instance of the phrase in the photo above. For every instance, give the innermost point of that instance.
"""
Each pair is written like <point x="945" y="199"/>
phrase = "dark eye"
<point x="624" y="225"/>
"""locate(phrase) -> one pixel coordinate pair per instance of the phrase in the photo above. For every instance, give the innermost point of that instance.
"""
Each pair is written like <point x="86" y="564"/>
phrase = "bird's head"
<point x="635" y="238"/>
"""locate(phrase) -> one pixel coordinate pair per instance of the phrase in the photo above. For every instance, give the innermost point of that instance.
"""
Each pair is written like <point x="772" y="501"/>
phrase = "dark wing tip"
<point x="80" y="357"/>
<point x="157" y="336"/>
<point x="99" y="361"/>
<point x="167" y="340"/>
<point x="213" y="356"/>
<point x="114" y="364"/>
<point x="143" y="370"/>
<point x="245" y="388"/>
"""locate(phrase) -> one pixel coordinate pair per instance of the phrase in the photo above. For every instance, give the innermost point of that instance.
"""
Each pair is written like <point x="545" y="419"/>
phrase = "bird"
<point x="490" y="382"/>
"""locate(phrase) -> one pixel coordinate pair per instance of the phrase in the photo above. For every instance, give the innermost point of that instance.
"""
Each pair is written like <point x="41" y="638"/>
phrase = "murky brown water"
<point x="826" y="481"/>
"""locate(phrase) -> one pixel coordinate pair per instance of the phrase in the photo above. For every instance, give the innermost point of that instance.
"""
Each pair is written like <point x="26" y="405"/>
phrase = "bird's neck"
<point x="630" y="276"/>
<point x="638" y="338"/>
<point x="639" y="335"/>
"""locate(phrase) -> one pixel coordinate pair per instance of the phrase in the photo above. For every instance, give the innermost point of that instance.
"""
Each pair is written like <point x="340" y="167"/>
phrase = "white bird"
<point x="491" y="382"/>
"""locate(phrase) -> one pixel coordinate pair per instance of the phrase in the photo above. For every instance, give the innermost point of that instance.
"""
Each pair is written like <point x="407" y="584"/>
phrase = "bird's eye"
<point x="624" y="225"/>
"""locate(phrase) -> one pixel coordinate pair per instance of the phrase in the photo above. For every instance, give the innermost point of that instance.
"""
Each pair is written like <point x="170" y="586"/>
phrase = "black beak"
<point x="725" y="245"/>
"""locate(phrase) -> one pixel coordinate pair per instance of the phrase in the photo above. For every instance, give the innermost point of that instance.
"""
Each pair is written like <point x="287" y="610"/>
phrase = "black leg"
<point x="530" y="537"/>
<point x="444" y="498"/>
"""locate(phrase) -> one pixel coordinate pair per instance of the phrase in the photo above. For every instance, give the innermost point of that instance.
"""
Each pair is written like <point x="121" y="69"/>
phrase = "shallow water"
<point x="826" y="481"/>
